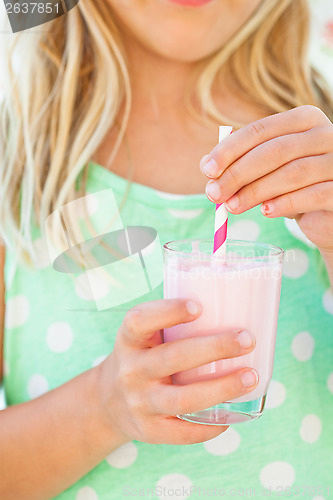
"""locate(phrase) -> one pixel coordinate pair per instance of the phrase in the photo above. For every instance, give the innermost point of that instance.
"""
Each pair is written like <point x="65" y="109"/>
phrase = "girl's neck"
<point x="165" y="141"/>
<point x="158" y="84"/>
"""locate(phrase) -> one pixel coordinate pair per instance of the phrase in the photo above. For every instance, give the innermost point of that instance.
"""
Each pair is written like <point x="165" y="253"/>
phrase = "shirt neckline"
<point x="146" y="194"/>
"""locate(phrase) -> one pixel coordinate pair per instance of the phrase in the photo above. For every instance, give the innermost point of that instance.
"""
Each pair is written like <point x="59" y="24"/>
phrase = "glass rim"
<point x="278" y="251"/>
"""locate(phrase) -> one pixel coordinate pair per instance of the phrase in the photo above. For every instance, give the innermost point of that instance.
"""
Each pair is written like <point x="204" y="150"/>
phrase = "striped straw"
<point x="221" y="213"/>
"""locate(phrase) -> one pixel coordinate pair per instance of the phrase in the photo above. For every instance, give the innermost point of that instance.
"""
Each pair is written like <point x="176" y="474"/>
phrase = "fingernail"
<point x="245" y="340"/>
<point x="233" y="203"/>
<point x="203" y="162"/>
<point x="213" y="191"/>
<point x="267" y="208"/>
<point x="249" y="378"/>
<point x="192" y="307"/>
<point x="211" y="168"/>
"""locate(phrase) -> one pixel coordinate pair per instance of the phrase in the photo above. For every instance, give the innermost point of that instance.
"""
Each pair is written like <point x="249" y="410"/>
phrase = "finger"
<point x="179" y="399"/>
<point x="309" y="199"/>
<point x="236" y="145"/>
<point x="172" y="357"/>
<point x="141" y="322"/>
<point x="268" y="157"/>
<point x="291" y="177"/>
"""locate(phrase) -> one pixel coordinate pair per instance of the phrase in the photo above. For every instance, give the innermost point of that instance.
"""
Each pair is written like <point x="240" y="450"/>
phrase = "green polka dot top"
<point x="53" y="331"/>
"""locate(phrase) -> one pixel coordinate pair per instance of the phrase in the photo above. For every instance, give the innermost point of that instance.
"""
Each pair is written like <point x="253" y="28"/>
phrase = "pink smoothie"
<point x="240" y="295"/>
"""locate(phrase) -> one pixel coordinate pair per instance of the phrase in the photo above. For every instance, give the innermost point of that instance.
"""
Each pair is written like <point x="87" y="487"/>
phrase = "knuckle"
<point x="250" y="194"/>
<point x="132" y="319"/>
<point x="327" y="133"/>
<point x="125" y="375"/>
<point x="289" y="202"/>
<point x="257" y="129"/>
<point x="219" y="345"/>
<point x="150" y="365"/>
<point x="308" y="109"/>
<point x="231" y="385"/>
<point x="234" y="177"/>
<point x="320" y="196"/>
<point x="295" y="171"/>
<point x="309" y="112"/>
<point x="275" y="148"/>
<point x="135" y="403"/>
<point x="180" y="400"/>
<point x="171" y="357"/>
<point x="152" y="396"/>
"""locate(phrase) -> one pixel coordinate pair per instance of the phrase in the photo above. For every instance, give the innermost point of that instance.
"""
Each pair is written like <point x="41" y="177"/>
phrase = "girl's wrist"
<point x="105" y="431"/>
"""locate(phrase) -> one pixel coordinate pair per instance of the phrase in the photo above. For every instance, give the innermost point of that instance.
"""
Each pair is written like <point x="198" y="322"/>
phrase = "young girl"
<point x="120" y="89"/>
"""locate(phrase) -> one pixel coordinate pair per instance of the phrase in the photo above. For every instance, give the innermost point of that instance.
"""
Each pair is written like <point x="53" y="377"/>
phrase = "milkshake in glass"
<point x="239" y="291"/>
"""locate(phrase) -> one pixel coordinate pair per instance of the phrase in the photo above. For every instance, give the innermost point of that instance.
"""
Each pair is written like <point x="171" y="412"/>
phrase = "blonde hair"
<point x="73" y="81"/>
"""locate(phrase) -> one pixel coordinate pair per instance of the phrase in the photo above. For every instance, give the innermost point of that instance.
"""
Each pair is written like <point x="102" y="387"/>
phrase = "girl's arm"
<point x="49" y="443"/>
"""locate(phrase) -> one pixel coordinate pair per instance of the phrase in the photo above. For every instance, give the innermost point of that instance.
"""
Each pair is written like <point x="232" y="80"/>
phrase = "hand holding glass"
<point x="239" y="291"/>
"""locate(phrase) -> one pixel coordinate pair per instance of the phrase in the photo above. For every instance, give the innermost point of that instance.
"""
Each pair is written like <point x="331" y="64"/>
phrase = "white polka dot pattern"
<point x="59" y="337"/>
<point x="310" y="428"/>
<point x="276" y="395"/>
<point x="295" y="264"/>
<point x="296" y="231"/>
<point x="17" y="311"/>
<point x="302" y="346"/>
<point x="86" y="493"/>
<point x="99" y="360"/>
<point x="224" y="444"/>
<point x="174" y="486"/>
<point x="328" y="301"/>
<point x="277" y="475"/>
<point x="37" y="385"/>
<point x="123" y="457"/>
<point x="247" y="230"/>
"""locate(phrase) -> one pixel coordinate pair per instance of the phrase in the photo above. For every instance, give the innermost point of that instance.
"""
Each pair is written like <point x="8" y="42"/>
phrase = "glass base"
<point x="227" y="413"/>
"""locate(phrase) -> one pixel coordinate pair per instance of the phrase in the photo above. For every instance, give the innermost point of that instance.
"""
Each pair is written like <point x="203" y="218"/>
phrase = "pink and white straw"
<point x="221" y="213"/>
